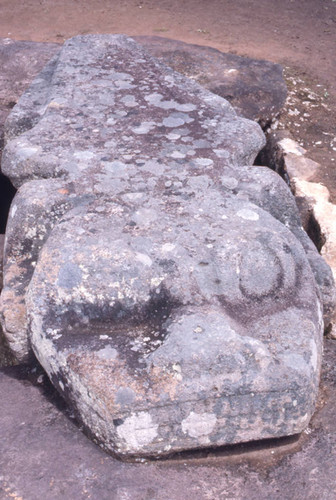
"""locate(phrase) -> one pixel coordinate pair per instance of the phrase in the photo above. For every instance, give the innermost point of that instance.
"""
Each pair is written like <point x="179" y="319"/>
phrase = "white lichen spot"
<point x="221" y="153"/>
<point x="199" y="425"/>
<point x="84" y="155"/>
<point x="173" y="122"/>
<point x="247" y="214"/>
<point x="107" y="352"/>
<point x="173" y="137"/>
<point x="143" y="128"/>
<point x="138" y="430"/>
<point x="145" y="216"/>
<point x="168" y="247"/>
<point x="229" y="182"/>
<point x="143" y="259"/>
<point x="313" y="354"/>
<point x="54" y="105"/>
<point x="13" y="210"/>
<point x="129" y="101"/>
<point x="177" y="155"/>
<point x="31" y="233"/>
<point x="27" y="151"/>
<point x="204" y="162"/>
<point x="177" y="367"/>
<point x="155" y="282"/>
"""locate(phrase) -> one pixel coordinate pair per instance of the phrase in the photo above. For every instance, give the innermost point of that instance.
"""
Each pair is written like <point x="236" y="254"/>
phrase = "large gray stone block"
<point x="170" y="300"/>
<point x="171" y="326"/>
<point x="123" y="121"/>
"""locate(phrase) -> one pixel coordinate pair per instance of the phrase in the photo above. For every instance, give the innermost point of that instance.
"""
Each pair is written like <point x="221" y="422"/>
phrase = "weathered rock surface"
<point x="286" y="157"/>
<point x="6" y="357"/>
<point x="255" y="88"/>
<point x="20" y="62"/>
<point x="173" y="339"/>
<point x="131" y="152"/>
<point x="168" y="301"/>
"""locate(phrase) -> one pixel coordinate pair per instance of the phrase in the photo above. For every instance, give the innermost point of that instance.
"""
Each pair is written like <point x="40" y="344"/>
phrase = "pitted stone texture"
<point x="37" y="206"/>
<point x="262" y="186"/>
<point x="20" y="62"/>
<point x="178" y="323"/>
<point x="286" y="157"/>
<point x="117" y="120"/>
<point x="169" y="310"/>
<point x="254" y="87"/>
<point x="106" y="112"/>
<point x="5" y="355"/>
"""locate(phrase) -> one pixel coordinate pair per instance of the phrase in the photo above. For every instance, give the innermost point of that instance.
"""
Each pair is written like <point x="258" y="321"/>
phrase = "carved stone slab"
<point x="169" y="299"/>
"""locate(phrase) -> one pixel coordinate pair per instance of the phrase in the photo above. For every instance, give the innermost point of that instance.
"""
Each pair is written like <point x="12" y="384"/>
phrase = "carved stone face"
<point x="166" y="304"/>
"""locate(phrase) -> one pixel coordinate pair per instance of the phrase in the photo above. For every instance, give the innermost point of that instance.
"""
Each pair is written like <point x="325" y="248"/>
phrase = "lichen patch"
<point x="138" y="430"/>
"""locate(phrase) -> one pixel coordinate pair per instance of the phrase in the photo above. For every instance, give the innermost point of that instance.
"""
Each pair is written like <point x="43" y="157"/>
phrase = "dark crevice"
<point x="314" y="232"/>
<point x="272" y="156"/>
<point x="7" y="193"/>
<point x="310" y="223"/>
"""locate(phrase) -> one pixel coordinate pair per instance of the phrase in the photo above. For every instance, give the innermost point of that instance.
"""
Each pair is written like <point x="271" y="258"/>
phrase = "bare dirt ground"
<point x="300" y="35"/>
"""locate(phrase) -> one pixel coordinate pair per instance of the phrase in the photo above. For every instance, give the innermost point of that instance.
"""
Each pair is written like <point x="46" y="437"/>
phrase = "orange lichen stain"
<point x="103" y="378"/>
<point x="163" y="382"/>
<point x="11" y="494"/>
<point x="63" y="191"/>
